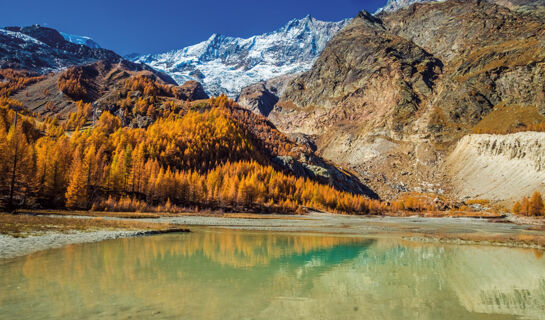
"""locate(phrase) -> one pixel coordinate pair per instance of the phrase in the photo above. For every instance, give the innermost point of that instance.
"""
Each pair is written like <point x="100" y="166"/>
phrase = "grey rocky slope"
<point x="391" y="95"/>
<point x="393" y="5"/>
<point x="527" y="6"/>
<point x="261" y="97"/>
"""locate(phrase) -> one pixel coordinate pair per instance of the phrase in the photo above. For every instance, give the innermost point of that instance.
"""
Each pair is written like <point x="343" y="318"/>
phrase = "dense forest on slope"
<point x="194" y="160"/>
<point x="147" y="145"/>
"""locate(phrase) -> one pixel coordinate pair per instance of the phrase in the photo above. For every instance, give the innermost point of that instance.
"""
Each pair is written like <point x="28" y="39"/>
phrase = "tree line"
<point x="195" y="160"/>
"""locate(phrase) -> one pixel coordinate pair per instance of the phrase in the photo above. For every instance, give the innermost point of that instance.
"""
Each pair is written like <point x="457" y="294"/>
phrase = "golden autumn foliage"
<point x="148" y="87"/>
<point x="147" y="103"/>
<point x="12" y="81"/>
<point x="419" y="202"/>
<point x="217" y="158"/>
<point x="194" y="160"/>
<point x="536" y="205"/>
<point x="258" y="127"/>
<point x="80" y="179"/>
<point x="72" y="83"/>
<point x="536" y="127"/>
<point x="79" y="118"/>
<point x="533" y="206"/>
<point x="16" y="165"/>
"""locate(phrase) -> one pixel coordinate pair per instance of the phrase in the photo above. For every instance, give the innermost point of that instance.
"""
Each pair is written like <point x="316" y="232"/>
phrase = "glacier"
<point x="225" y="64"/>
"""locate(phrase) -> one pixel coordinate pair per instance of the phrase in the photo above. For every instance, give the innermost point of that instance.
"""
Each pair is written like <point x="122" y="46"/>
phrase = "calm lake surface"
<point x="227" y="274"/>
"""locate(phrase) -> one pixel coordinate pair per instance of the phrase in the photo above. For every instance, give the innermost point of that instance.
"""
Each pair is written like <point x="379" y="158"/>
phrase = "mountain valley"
<point x="383" y="163"/>
<point x="423" y="97"/>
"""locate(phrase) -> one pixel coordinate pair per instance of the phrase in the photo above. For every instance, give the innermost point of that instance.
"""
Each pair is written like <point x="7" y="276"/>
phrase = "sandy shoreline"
<point x="11" y="247"/>
<point x="450" y="230"/>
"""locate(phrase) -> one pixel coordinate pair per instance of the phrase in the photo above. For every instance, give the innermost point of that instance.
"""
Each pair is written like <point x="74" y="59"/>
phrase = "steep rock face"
<point x="390" y="95"/>
<point x="258" y="98"/>
<point x="227" y="64"/>
<point x="193" y="90"/>
<point x="492" y="55"/>
<point x="456" y="28"/>
<point x="498" y="167"/>
<point x="526" y="6"/>
<point x="261" y="97"/>
<point x="364" y="74"/>
<point x="360" y="102"/>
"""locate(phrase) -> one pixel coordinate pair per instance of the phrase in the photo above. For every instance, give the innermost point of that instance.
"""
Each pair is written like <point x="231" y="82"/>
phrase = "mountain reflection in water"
<point x="246" y="275"/>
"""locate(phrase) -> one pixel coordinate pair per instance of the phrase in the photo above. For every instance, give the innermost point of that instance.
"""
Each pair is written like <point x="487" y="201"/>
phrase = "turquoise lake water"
<point x="224" y="274"/>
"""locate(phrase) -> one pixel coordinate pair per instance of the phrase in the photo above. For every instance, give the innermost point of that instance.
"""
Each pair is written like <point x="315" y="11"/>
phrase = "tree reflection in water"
<point x="238" y="275"/>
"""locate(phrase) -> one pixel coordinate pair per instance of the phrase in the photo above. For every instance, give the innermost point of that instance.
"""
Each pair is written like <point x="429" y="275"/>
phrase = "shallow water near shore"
<point x="231" y="274"/>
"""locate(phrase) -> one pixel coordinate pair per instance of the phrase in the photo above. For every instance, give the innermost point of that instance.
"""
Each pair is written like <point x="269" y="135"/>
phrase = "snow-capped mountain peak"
<point x="25" y="39"/>
<point x="42" y="50"/>
<point x="84" y="40"/>
<point x="226" y="64"/>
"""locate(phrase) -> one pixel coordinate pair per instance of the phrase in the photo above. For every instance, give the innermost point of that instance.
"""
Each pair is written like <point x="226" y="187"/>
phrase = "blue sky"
<point x="159" y="25"/>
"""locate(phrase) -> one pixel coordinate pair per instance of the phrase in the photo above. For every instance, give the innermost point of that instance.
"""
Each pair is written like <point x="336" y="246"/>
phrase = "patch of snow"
<point x="84" y="40"/>
<point x="22" y="36"/>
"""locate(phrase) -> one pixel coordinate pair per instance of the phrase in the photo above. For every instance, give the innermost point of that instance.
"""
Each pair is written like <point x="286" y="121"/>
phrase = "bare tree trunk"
<point x="12" y="184"/>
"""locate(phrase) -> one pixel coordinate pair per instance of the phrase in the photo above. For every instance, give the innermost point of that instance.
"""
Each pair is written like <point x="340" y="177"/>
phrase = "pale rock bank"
<point x="498" y="167"/>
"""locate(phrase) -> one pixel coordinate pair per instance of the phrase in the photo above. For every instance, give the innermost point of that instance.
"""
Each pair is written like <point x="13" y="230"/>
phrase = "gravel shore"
<point x="11" y="247"/>
<point x="432" y="229"/>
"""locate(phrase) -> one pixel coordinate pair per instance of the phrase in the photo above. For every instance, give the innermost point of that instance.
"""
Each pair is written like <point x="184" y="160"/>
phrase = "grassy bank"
<point x="21" y="225"/>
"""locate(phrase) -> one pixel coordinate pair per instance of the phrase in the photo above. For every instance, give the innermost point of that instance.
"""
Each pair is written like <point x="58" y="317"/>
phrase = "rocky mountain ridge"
<point x="42" y="50"/>
<point x="527" y="6"/>
<point x="392" y="94"/>
<point x="393" y="5"/>
<point x="263" y="96"/>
